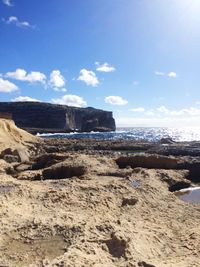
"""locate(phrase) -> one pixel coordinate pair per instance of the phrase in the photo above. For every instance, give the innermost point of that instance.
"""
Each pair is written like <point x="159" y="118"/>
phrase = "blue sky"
<point x="138" y="58"/>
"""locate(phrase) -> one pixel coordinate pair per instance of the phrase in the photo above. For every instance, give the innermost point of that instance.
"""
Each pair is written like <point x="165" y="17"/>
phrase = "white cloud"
<point x="7" y="2"/>
<point x="89" y="77"/>
<point x="170" y="74"/>
<point x="57" y="81"/>
<point x="24" y="99"/>
<point x="7" y="87"/>
<point x="36" y="76"/>
<point x="140" y="109"/>
<point x="60" y="89"/>
<point x="116" y="100"/>
<point x="188" y="111"/>
<point x="22" y="24"/>
<point x="150" y="113"/>
<point x="163" y="109"/>
<point x="159" y="73"/>
<point x="70" y="100"/>
<point x="22" y="75"/>
<point x="105" y="67"/>
<point x="191" y="111"/>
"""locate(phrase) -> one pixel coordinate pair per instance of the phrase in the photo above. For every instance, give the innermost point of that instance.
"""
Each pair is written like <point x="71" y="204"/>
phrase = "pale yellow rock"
<point x="13" y="137"/>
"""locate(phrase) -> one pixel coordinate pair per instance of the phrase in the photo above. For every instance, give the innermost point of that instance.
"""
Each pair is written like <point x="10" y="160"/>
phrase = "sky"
<point x="137" y="58"/>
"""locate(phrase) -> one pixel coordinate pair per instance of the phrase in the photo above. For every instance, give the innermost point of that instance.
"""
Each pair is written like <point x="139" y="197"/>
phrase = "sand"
<point x="13" y="137"/>
<point x="103" y="217"/>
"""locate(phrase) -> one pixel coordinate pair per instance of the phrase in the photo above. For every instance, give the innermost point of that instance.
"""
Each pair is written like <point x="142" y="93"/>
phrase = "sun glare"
<point x="190" y="7"/>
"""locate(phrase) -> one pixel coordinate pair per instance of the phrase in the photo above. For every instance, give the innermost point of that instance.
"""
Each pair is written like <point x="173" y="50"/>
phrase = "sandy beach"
<point x="81" y="207"/>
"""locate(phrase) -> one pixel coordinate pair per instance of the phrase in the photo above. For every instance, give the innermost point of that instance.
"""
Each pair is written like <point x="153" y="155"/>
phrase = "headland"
<point x="41" y="117"/>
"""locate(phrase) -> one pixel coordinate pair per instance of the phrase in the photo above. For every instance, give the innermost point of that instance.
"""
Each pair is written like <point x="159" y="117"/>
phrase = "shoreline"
<point x="191" y="148"/>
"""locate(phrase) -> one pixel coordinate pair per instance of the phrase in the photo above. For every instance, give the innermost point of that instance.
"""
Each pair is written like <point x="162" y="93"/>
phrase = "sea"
<point x="153" y="134"/>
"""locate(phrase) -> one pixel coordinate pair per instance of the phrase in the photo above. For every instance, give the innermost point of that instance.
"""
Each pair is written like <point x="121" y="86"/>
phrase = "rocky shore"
<point x="98" y="203"/>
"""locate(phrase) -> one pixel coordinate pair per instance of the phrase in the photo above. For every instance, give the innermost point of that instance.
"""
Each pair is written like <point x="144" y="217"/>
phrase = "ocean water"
<point x="136" y="133"/>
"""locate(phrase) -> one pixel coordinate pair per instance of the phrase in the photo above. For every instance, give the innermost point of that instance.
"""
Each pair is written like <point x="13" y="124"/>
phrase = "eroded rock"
<point x="117" y="245"/>
<point x="15" y="155"/>
<point x="148" y="161"/>
<point x="145" y="264"/>
<point x="179" y="185"/>
<point x="62" y="171"/>
<point x="129" y="201"/>
<point x="46" y="160"/>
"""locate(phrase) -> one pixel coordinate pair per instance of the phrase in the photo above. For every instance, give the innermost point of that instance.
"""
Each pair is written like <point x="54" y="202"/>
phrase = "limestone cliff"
<point x="44" y="117"/>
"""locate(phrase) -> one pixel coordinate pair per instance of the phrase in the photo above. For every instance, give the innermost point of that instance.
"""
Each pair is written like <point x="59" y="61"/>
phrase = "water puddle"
<point x="28" y="251"/>
<point x="189" y="195"/>
<point x="135" y="184"/>
<point x="6" y="188"/>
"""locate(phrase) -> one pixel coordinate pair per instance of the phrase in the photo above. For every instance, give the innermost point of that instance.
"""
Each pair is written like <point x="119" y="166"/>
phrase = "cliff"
<point x="44" y="117"/>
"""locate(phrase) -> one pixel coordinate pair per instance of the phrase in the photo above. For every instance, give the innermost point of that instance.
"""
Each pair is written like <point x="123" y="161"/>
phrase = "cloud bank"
<point x="162" y="117"/>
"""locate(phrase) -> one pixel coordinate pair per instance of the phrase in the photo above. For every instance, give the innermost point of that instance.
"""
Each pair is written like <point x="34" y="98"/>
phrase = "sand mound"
<point x="13" y="137"/>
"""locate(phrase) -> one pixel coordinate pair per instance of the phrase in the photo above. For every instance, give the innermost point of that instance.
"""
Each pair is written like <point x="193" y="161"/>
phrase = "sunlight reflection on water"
<point x="190" y="195"/>
<point x="136" y="133"/>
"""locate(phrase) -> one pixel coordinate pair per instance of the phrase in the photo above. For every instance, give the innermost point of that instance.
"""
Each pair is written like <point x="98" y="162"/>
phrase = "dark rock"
<point x="194" y="169"/>
<point x="167" y="140"/>
<point x="11" y="158"/>
<point x="46" y="160"/>
<point x="7" y="151"/>
<point x="148" y="161"/>
<point x="10" y="155"/>
<point x="129" y="201"/>
<point x="44" y="117"/>
<point x="52" y="149"/>
<point x="179" y="185"/>
<point x="177" y="149"/>
<point x="89" y="125"/>
<point x="116" y="246"/>
<point x="10" y="170"/>
<point x="62" y="171"/>
<point x="16" y="155"/>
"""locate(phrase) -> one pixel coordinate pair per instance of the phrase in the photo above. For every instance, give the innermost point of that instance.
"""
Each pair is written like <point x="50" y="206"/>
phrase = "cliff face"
<point x="44" y="117"/>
